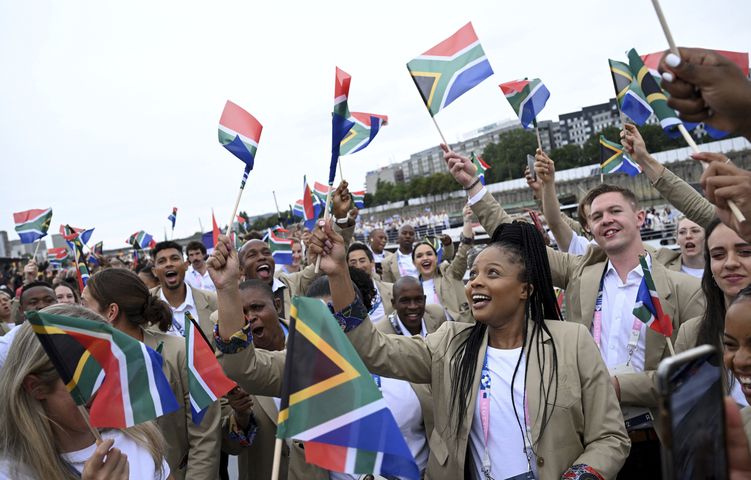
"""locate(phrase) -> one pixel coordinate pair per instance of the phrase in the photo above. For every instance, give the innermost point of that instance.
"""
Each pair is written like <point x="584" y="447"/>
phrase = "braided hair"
<point x="524" y="246"/>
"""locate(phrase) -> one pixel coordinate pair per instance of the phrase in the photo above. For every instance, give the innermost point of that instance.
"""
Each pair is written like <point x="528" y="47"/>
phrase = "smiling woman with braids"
<point x="522" y="395"/>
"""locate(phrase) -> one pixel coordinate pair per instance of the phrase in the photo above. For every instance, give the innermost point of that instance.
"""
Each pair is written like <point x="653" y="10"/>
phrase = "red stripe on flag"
<point x="514" y="86"/>
<point x="465" y="37"/>
<point x="364" y="117"/>
<point x="108" y="408"/>
<point x="207" y="366"/>
<point x="25" y="216"/>
<point x="330" y="457"/>
<point x="652" y="60"/>
<point x="237" y="119"/>
<point x="214" y="229"/>
<point x="341" y="85"/>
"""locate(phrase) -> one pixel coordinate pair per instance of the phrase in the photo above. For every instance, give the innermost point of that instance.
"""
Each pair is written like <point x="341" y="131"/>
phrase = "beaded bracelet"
<point x="350" y="316"/>
<point x="237" y="342"/>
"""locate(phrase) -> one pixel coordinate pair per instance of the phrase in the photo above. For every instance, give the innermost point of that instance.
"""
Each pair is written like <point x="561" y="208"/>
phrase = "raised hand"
<point x="722" y="182"/>
<point x="633" y="143"/>
<point x="241" y="403"/>
<point x="460" y="167"/>
<point x="224" y="264"/>
<point x="341" y="200"/>
<point x="329" y="245"/>
<point x="544" y="168"/>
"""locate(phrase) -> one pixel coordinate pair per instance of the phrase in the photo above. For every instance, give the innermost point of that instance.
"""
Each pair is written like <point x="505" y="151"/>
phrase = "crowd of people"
<point x="495" y="377"/>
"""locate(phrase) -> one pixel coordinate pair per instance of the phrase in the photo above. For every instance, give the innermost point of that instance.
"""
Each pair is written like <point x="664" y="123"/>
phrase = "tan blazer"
<point x="449" y="286"/>
<point x="390" y="269"/>
<point x="205" y="305"/>
<point x="199" y="445"/>
<point x="668" y="257"/>
<point x="585" y="425"/>
<point x="387" y="294"/>
<point x="680" y="295"/>
<point x="684" y="198"/>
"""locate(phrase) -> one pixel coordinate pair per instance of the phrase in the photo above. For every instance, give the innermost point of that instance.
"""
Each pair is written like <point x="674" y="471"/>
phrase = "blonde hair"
<point x="26" y="437"/>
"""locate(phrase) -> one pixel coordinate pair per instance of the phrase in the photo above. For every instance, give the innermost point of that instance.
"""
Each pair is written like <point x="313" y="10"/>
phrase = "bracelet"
<point x="237" y="342"/>
<point x="351" y="316"/>
<point x="477" y="180"/>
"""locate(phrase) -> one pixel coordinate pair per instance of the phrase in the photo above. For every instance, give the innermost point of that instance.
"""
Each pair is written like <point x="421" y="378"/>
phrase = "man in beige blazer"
<point x="411" y="315"/>
<point x="399" y="263"/>
<point x="170" y="268"/>
<point x="255" y="460"/>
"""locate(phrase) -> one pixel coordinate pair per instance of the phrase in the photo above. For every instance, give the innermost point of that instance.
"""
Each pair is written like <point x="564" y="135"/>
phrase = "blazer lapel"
<point x="588" y="288"/>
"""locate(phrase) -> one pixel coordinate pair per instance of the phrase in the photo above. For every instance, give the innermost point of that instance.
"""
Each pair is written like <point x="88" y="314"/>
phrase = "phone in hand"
<point x="692" y="415"/>
<point x="531" y="166"/>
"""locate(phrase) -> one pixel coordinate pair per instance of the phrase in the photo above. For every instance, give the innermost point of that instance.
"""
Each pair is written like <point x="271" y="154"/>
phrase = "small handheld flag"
<point x="240" y="132"/>
<point x="366" y="127"/>
<point x="358" y="198"/>
<point x="311" y="206"/>
<point x="173" y="217"/>
<point x="281" y="248"/>
<point x="614" y="159"/>
<point x="134" y="389"/>
<point x="631" y="100"/>
<point x="329" y="401"/>
<point x="481" y="166"/>
<point x="341" y="123"/>
<point x="57" y="254"/>
<point x="527" y="98"/>
<point x="82" y="269"/>
<point x="32" y="225"/>
<point x="69" y="233"/>
<point x="648" y="308"/>
<point x="321" y="191"/>
<point x="450" y="69"/>
<point x="206" y="379"/>
<point x="141" y="240"/>
<point x="656" y="98"/>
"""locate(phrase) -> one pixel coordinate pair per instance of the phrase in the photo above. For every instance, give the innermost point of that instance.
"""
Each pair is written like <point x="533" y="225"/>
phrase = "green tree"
<point x="508" y="157"/>
<point x="568" y="156"/>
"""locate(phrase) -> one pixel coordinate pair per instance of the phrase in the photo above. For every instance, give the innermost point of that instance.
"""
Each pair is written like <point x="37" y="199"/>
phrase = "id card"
<point x="633" y="416"/>
<point x="523" y="476"/>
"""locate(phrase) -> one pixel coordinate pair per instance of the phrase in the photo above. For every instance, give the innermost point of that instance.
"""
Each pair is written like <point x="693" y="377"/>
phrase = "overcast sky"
<point x="110" y="109"/>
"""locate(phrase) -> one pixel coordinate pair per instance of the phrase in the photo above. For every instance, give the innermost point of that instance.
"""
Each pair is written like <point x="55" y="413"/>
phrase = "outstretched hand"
<point x="722" y="182"/>
<point x="341" y="200"/>
<point x="224" y="264"/>
<point x="460" y="167"/>
<point x="633" y="143"/>
<point x="329" y="246"/>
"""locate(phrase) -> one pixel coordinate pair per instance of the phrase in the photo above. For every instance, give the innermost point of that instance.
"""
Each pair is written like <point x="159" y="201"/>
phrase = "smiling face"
<point x="259" y="311"/>
<point x="495" y="289"/>
<point x="425" y="261"/>
<point x="729" y="260"/>
<point x="409" y="303"/>
<point x="169" y="268"/>
<point x="359" y="259"/>
<point x="64" y="294"/>
<point x="615" y="222"/>
<point x="690" y="237"/>
<point x="257" y="262"/>
<point x="296" y="255"/>
<point x="737" y="342"/>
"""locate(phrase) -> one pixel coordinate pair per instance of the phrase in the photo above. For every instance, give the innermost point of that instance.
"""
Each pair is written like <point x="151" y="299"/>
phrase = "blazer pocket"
<point x="564" y="397"/>
<point x="438" y="448"/>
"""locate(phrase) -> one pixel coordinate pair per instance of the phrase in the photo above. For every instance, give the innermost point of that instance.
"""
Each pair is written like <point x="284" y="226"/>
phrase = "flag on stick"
<point x="82" y="269"/>
<point x="141" y="240"/>
<point x="358" y="198"/>
<point x="631" y="100"/>
<point x="329" y="401"/>
<point x="648" y="308"/>
<point x="321" y="191"/>
<point x="450" y="69"/>
<point x="341" y="123"/>
<point x="206" y="379"/>
<point x="366" y="127"/>
<point x="240" y="132"/>
<point x="652" y="92"/>
<point x="134" y="389"/>
<point x="481" y="166"/>
<point x="173" y="217"/>
<point x="32" y="225"/>
<point x="614" y="159"/>
<point x="311" y="206"/>
<point x="281" y="248"/>
<point x="527" y="98"/>
<point x="69" y="233"/>
<point x="57" y="254"/>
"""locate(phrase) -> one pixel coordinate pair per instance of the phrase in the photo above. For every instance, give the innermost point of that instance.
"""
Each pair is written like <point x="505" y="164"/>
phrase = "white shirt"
<point x="618" y="301"/>
<point x="406" y="266"/>
<point x="428" y="289"/>
<point x="505" y="440"/>
<point x="194" y="278"/>
<point x="579" y="244"/>
<point x="277" y="284"/>
<point x="378" y="312"/>
<point x="178" y="314"/>
<point x="378" y="257"/>
<point x="405" y="331"/>
<point x="5" y="342"/>
<point x="694" y="272"/>
<point x="140" y="463"/>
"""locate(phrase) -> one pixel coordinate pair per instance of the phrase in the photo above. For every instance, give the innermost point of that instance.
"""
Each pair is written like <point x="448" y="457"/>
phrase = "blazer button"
<point x="540" y="461"/>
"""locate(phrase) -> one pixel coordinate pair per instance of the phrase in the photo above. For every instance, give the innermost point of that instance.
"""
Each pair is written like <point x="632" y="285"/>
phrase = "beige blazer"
<point x="585" y="424"/>
<point x="680" y="295"/>
<point x="684" y="198"/>
<point x="390" y="269"/>
<point x="205" y="305"/>
<point x="296" y="284"/>
<point x="387" y="294"/>
<point x="668" y="257"/>
<point x="449" y="286"/>
<point x="196" y="445"/>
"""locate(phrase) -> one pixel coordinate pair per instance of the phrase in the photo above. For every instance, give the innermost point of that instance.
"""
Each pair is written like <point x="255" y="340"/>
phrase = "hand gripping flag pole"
<point x="239" y="132"/>
<point x="681" y="128"/>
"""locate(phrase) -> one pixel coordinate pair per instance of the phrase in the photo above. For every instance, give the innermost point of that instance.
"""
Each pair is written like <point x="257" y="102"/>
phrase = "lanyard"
<point x="179" y="328"/>
<point x="397" y="329"/>
<point x="485" y="419"/>
<point x="633" y="340"/>
<point x="376" y="301"/>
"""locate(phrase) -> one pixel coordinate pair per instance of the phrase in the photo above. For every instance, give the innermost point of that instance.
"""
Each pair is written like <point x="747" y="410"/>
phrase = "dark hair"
<point x="525" y="246"/>
<point x="362" y="247"/>
<point x="744" y="294"/>
<point x="166" y="245"/>
<point x="73" y="288"/>
<point x="124" y="288"/>
<point x="425" y="241"/>
<point x="361" y="282"/>
<point x="373" y="232"/>
<point x="30" y="285"/>
<point x="253" y="235"/>
<point x="604" y="188"/>
<point x="196" y="245"/>
<point x="256" y="284"/>
<point x="713" y="320"/>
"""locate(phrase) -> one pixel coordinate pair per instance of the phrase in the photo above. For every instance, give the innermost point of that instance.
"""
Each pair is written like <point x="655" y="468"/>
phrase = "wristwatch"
<point x="342" y="222"/>
<point x="466" y="240"/>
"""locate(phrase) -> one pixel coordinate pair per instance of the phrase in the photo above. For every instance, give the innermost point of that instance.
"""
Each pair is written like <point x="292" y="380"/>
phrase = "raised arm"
<point x="458" y="265"/>
<point x="406" y="358"/>
<point x="672" y="188"/>
<point x="551" y="208"/>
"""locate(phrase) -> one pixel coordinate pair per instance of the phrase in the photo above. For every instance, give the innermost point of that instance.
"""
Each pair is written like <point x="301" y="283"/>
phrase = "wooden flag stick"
<point x="674" y="49"/>
<point x="670" y="346"/>
<point x="341" y="172"/>
<point x="439" y="130"/>
<point x="36" y="249"/>
<point x="326" y="217"/>
<point x="277" y="459"/>
<point x="234" y="210"/>
<point x="94" y="431"/>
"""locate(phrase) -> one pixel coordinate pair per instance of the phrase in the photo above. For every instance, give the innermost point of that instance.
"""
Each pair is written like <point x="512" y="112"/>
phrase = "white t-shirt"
<point x="694" y="272"/>
<point x="378" y="312"/>
<point x="505" y="441"/>
<point x="140" y="463"/>
<point x="579" y="244"/>
<point x="428" y="289"/>
<point x="406" y="266"/>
